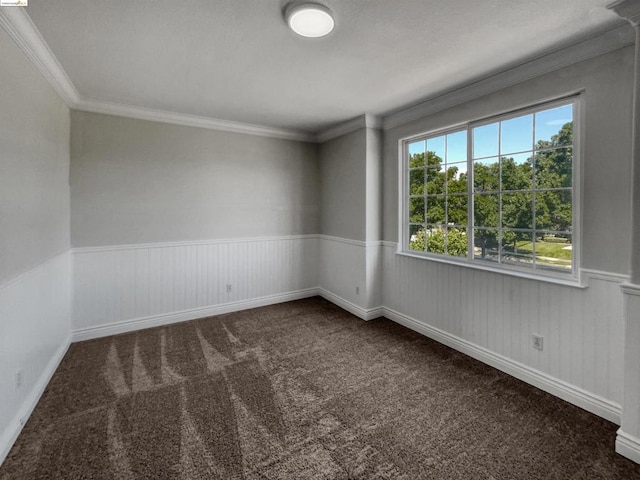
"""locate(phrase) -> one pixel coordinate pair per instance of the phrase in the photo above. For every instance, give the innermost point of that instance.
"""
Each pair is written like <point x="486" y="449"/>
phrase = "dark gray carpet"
<point x="301" y="390"/>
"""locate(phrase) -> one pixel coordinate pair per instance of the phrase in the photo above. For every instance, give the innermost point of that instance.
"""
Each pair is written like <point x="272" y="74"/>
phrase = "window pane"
<point x="416" y="182"/>
<point x="457" y="147"/>
<point x="435" y="179"/>
<point x="521" y="200"/>
<point x="516" y="134"/>
<point x="437" y="147"/>
<point x="485" y="140"/>
<point x="457" y="210"/>
<point x="436" y="240"/>
<point x="485" y="245"/>
<point x="416" y="160"/>
<point x="554" y="252"/>
<point x="516" y="171"/>
<point x="457" y="178"/>
<point x="516" y="248"/>
<point x="554" y="168"/>
<point x="554" y="127"/>
<point x="435" y="210"/>
<point x="416" y="237"/>
<point x="457" y="242"/>
<point x="485" y="210"/>
<point x="517" y="210"/>
<point x="554" y="211"/>
<point x="416" y="210"/>
<point x="486" y="175"/>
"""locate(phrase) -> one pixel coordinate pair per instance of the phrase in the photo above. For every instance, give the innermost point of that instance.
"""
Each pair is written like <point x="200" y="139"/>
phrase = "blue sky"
<point x="517" y="134"/>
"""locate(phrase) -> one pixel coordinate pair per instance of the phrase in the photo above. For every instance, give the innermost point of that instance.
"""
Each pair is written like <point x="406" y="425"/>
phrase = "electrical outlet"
<point x="357" y="290"/>
<point x="538" y="342"/>
<point x="18" y="379"/>
<point x="228" y="288"/>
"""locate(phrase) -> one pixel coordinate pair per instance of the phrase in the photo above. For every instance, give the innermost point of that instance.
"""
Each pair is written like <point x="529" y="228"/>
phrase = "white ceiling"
<point x="237" y="60"/>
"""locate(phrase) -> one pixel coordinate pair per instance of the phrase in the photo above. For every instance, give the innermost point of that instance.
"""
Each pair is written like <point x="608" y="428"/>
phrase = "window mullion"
<point x="534" y="154"/>
<point x="470" y="203"/>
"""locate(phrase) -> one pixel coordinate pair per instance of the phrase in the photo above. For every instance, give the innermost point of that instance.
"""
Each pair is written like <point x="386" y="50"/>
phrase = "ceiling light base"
<point x="311" y="20"/>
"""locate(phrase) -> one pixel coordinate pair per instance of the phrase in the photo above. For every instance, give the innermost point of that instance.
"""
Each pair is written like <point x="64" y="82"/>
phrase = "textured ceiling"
<point x="237" y="60"/>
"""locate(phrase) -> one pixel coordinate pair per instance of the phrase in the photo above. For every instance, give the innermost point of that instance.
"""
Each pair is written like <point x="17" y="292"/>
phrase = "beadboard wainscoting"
<point x="492" y="317"/>
<point x="35" y="314"/>
<point x="349" y="273"/>
<point x="129" y="287"/>
<point x="628" y="439"/>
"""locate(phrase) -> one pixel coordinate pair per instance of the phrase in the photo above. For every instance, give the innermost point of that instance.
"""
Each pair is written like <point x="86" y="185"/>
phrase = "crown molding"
<point x="363" y="121"/>
<point x="163" y="116"/>
<point x="602" y="42"/>
<point x="19" y="26"/>
<point x="24" y="33"/>
<point x="628" y="10"/>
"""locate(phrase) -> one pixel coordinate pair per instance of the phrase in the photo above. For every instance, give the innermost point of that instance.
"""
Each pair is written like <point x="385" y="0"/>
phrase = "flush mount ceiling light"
<point x="310" y="19"/>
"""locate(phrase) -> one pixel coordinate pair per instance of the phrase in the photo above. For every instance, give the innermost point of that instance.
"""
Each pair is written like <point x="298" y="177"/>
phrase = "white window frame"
<point x="571" y="279"/>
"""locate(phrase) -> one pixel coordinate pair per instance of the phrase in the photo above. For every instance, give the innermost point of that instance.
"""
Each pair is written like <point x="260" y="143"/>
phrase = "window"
<point x="498" y="191"/>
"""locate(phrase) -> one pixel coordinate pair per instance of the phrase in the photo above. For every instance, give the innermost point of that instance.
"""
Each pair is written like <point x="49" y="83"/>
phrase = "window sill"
<point x="569" y="281"/>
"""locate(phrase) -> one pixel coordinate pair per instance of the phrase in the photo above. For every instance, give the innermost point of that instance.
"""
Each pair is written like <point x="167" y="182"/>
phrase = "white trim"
<point x="630" y="289"/>
<point x="587" y="274"/>
<point x="569" y="282"/>
<point x="19" y="26"/>
<point x="10" y="435"/>
<point x="349" y="241"/>
<point x="363" y="313"/>
<point x="163" y="116"/>
<point x="137" y="246"/>
<point x="185" y="315"/>
<point x="577" y="396"/>
<point x="600" y="43"/>
<point x="628" y="446"/>
<point x="363" y="121"/>
<point x="24" y="33"/>
<point x="627" y="9"/>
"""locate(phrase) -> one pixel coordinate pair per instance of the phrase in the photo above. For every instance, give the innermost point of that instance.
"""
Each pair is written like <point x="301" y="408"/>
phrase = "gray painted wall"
<point x="34" y="166"/>
<point x="374" y="184"/>
<point x="343" y="185"/>
<point x="134" y="181"/>
<point x="606" y="136"/>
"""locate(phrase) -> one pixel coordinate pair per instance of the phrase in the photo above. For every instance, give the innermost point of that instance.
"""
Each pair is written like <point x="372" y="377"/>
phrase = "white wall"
<point x="164" y="217"/>
<point x="351" y="192"/>
<point x="35" y="295"/>
<point x="123" y="288"/>
<point x="492" y="316"/>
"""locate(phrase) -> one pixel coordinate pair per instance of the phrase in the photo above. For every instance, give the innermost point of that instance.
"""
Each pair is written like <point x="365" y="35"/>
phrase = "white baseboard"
<point x="184" y="315"/>
<point x="363" y="313"/>
<point x="628" y="446"/>
<point x="10" y="435"/>
<point x="592" y="403"/>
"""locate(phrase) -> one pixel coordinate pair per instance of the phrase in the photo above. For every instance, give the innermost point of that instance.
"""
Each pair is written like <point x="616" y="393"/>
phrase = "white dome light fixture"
<point x="310" y="19"/>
